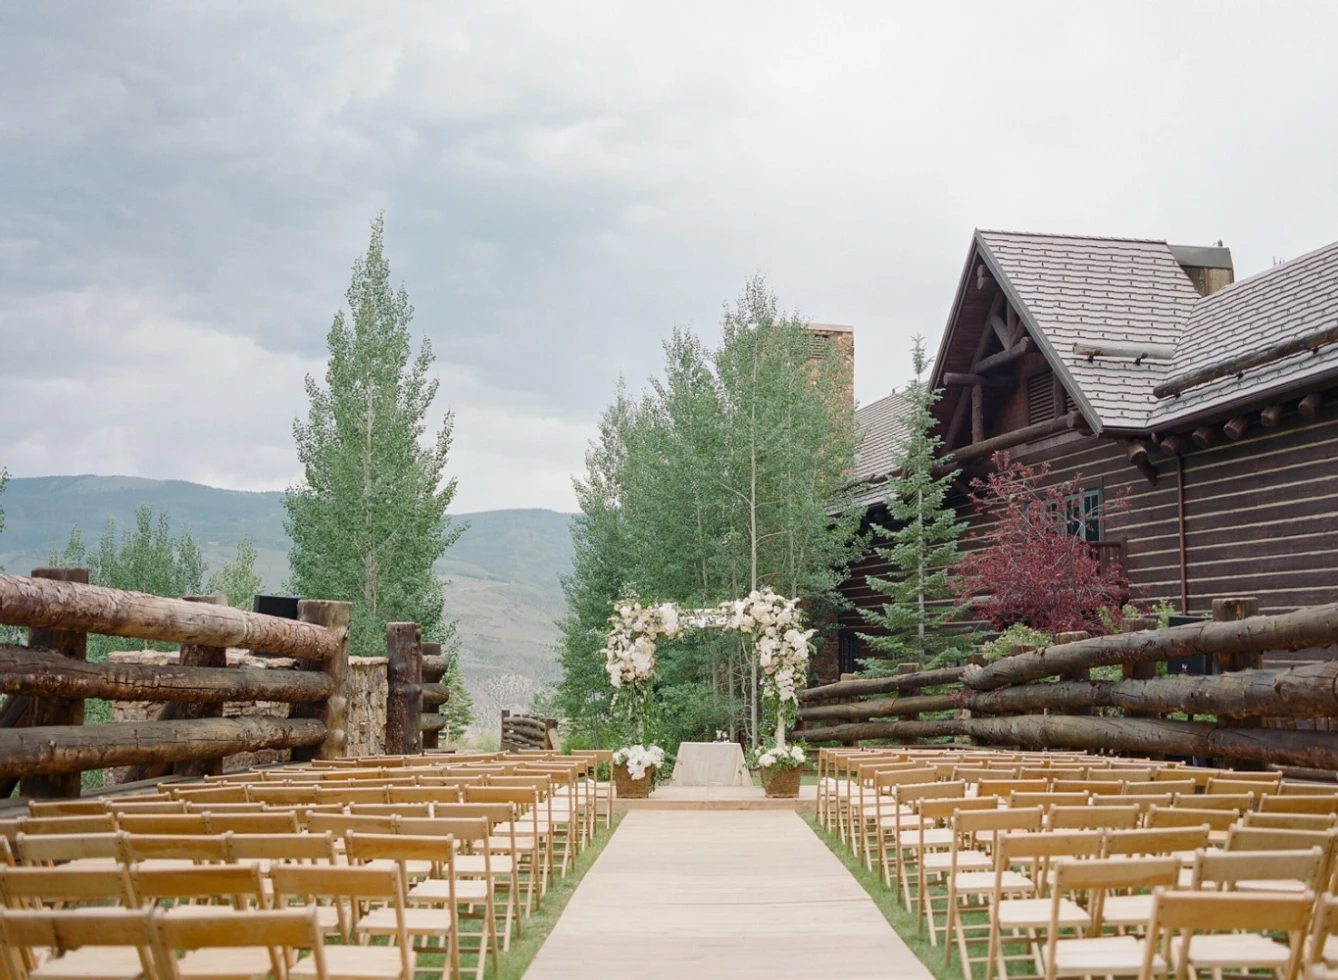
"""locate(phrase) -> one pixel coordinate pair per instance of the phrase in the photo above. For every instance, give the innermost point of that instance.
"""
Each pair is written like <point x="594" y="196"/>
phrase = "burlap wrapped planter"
<point x="781" y="783"/>
<point x="629" y="788"/>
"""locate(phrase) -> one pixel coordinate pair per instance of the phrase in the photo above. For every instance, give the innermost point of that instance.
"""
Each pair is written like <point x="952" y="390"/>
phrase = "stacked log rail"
<point x="42" y="739"/>
<point x="527" y="732"/>
<point x="431" y="722"/>
<point x="1023" y="707"/>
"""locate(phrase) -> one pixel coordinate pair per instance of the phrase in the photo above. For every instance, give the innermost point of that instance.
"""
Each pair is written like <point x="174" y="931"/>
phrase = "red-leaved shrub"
<point x="1033" y="567"/>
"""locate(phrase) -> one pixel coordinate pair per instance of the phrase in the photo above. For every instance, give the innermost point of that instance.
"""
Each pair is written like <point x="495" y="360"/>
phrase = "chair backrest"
<point x="281" y="795"/>
<point x="496" y="813"/>
<point x="1229" y="870"/>
<point x="1319" y="804"/>
<point x="1182" y="817"/>
<point x="311" y="847"/>
<point x="346" y="888"/>
<point x="391" y="809"/>
<point x="465" y="830"/>
<point x="1097" y="877"/>
<point x="1106" y="788"/>
<point x="1253" y="788"/>
<point x="423" y="794"/>
<point x="1168" y="840"/>
<point x="1120" y="774"/>
<point x="930" y="791"/>
<point x="93" y="823"/>
<point x="1290" y="788"/>
<point x="239" y="885"/>
<point x="24" y="932"/>
<point x="65" y="808"/>
<point x="1187" y="786"/>
<point x="275" y="822"/>
<point x="1240" y="802"/>
<point x="362" y="848"/>
<point x="283" y="932"/>
<point x="163" y="823"/>
<point x="341" y="823"/>
<point x="52" y="848"/>
<point x="1291" y="821"/>
<point x="1005" y="787"/>
<point x="210" y="794"/>
<point x="1242" y="838"/>
<point x="350" y="794"/>
<point x="25" y="887"/>
<point x="981" y="823"/>
<point x="1187" y="912"/>
<point x="203" y="848"/>
<point x="885" y="780"/>
<point x="1092" y="818"/>
<point x="1144" y="801"/>
<point x="1047" y="800"/>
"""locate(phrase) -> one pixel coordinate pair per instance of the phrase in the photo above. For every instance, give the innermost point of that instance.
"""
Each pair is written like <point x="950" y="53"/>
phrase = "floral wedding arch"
<point x="780" y="642"/>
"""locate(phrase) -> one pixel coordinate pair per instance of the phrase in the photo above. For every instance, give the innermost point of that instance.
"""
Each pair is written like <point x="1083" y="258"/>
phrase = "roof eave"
<point x="963" y="283"/>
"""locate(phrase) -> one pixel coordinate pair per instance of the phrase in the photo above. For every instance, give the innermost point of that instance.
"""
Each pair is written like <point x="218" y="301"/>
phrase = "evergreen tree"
<point x="459" y="709"/>
<point x="921" y="546"/>
<point x="370" y="518"/>
<point x="237" y="579"/>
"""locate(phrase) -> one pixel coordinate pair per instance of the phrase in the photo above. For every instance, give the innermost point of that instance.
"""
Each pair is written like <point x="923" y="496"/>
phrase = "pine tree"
<point x="237" y="579"/>
<point x="369" y="520"/>
<point x="921" y="546"/>
<point x="459" y="709"/>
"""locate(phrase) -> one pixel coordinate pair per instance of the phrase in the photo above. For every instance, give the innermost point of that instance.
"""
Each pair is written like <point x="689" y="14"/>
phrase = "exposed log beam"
<point x="1013" y="323"/>
<point x="45" y="673"/>
<point x="435" y="694"/>
<point x="72" y="748"/>
<point x="1238" y="365"/>
<point x="1310" y="405"/>
<point x="959" y="414"/>
<point x="431" y="723"/>
<point x="1058" y="396"/>
<point x="1236" y="427"/>
<point x="1146" y="352"/>
<point x="977" y="413"/>
<point x="1001" y="331"/>
<point x="1271" y="416"/>
<point x="954" y="379"/>
<point x="862" y="686"/>
<point x="434" y="664"/>
<point x="1307" y="691"/>
<point x="982" y="276"/>
<point x="1313" y="626"/>
<point x="1204" y="436"/>
<point x="1314" y="750"/>
<point x="1171" y="444"/>
<point x="1007" y="440"/>
<point x="72" y="606"/>
<point x="1137" y="452"/>
<point x="987" y="364"/>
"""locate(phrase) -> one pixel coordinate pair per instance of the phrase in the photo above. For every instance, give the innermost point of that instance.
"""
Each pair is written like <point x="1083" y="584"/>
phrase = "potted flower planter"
<point x="629" y="788"/>
<point x="781" y="783"/>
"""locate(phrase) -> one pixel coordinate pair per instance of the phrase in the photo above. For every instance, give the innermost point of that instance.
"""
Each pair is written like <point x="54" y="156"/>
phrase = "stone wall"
<point x="366" y="716"/>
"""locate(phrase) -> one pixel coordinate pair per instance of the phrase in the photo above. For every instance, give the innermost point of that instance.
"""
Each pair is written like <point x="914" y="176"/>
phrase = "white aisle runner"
<point x="731" y="894"/>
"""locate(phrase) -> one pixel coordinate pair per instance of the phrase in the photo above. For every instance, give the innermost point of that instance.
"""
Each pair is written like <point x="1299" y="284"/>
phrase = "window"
<point x="848" y="652"/>
<point x="1082" y="515"/>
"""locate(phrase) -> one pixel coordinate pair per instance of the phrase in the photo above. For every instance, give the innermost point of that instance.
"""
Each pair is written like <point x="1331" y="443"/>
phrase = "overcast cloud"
<point x="184" y="186"/>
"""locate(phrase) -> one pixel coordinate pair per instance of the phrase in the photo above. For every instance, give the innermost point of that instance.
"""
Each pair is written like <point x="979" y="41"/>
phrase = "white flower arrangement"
<point x="777" y="756"/>
<point x="639" y="758"/>
<point x="782" y="649"/>
<point x="629" y="651"/>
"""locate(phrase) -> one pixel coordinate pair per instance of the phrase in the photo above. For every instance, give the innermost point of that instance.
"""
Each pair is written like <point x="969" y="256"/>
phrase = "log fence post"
<point x="904" y="669"/>
<point x="336" y="617"/>
<point x="404" y="688"/>
<point x="1082" y="673"/>
<point x="195" y="655"/>
<point x="56" y="711"/>
<point x="431" y="739"/>
<point x="1232" y="610"/>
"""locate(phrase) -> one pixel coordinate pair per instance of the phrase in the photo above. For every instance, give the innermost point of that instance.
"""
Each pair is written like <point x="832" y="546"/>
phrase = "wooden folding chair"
<point x="1291" y="821"/>
<point x="1182" y="844"/>
<point x="1047" y="800"/>
<point x="82" y="850"/>
<point x="438" y="923"/>
<point x="337" y="895"/>
<point x="1255" y="871"/>
<point x="34" y="888"/>
<point x="1214" y="931"/>
<point x="1322" y="804"/>
<point x="89" y="944"/>
<point x="1097" y="954"/>
<point x="1092" y="817"/>
<point x="1018" y="920"/>
<point x="970" y="885"/>
<point x="532" y="842"/>
<point x="884" y="814"/>
<point x="909" y="833"/>
<point x="174" y="850"/>
<point x="1219" y="822"/>
<point x="935" y="839"/>
<point x="1322" y="947"/>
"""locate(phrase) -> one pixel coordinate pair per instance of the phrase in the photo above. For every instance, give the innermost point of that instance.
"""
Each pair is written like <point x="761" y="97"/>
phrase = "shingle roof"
<point x="1117" y="290"/>
<point x="881" y="426"/>
<point x="1285" y="302"/>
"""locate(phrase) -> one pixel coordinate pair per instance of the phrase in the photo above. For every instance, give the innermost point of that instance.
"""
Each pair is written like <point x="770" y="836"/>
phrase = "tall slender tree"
<point x="920" y="546"/>
<point x="237" y="579"/>
<point x="369" y="519"/>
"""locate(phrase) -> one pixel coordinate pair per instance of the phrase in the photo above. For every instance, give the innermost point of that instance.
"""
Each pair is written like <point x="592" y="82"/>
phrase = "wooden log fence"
<point x="43" y="742"/>
<point x="435" y="694"/>
<point x="1013" y="701"/>
<point x="528" y="732"/>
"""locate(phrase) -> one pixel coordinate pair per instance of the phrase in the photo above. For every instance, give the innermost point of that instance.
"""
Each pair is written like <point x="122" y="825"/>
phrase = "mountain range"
<point x="502" y="575"/>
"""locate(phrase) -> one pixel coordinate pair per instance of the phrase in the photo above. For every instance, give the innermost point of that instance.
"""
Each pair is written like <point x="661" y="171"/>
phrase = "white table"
<point x="710" y="764"/>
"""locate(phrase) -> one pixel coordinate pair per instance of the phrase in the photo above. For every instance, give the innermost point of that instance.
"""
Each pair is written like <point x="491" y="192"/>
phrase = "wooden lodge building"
<point x="1143" y="365"/>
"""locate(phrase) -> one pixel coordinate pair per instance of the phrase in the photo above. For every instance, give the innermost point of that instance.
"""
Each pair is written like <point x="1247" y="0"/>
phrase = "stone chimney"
<point x="831" y="336"/>
<point x="1208" y="266"/>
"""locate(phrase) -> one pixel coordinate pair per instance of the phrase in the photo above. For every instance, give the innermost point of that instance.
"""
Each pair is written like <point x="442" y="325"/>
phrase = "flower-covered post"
<point x="629" y="659"/>
<point x="782" y="649"/>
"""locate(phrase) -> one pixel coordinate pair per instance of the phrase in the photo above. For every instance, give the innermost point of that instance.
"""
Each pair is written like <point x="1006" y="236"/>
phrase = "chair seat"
<point x="231" y="963"/>
<point x="414" y="869"/>
<point x="983" y="881"/>
<point x="472" y="864"/>
<point x="523" y="844"/>
<point x="437" y="890"/>
<point x="935" y="837"/>
<point x="92" y="963"/>
<point x="353" y="963"/>
<point x="1021" y="913"/>
<point x="1245" y="949"/>
<point x="966" y="861"/>
<point x="417" y="922"/>
<point x="1103" y="956"/>
<point x="1126" y="910"/>
<point x="1271" y="885"/>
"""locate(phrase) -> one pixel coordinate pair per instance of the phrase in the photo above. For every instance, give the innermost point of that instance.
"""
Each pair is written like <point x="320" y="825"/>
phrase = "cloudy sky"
<point x="184" y="186"/>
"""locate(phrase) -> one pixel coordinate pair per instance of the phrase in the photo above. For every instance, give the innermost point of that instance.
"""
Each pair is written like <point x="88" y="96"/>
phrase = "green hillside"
<point x="503" y="572"/>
